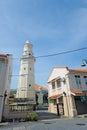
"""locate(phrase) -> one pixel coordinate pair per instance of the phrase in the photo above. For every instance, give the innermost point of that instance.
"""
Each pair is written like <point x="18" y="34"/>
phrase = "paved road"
<point x="46" y="115"/>
<point x="58" y="124"/>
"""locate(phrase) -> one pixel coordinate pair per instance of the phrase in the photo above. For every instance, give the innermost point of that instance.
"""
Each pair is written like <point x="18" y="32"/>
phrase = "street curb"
<point x="56" y="119"/>
<point x="4" y="123"/>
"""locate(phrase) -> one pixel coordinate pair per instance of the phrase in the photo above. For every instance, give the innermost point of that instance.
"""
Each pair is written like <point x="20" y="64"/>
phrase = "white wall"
<point x="5" y="80"/>
<point x="57" y="73"/>
<point x="72" y="81"/>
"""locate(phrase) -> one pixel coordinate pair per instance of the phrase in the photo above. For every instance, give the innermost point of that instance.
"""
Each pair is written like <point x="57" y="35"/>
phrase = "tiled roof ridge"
<point x="40" y="87"/>
<point x="75" y="69"/>
<point x="3" y="55"/>
<point x="78" y="92"/>
<point x="61" y="67"/>
<point x="78" y="69"/>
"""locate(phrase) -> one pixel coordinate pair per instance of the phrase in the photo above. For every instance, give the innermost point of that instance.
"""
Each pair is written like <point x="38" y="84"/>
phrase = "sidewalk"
<point x="4" y="123"/>
<point x="82" y="116"/>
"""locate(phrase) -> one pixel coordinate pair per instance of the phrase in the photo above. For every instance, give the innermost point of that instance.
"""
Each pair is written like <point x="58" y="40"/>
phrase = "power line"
<point x="19" y="75"/>
<point x="60" y="53"/>
<point x="55" y="54"/>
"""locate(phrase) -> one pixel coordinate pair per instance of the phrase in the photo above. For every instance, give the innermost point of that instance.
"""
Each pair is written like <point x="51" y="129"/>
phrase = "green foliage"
<point x="32" y="116"/>
<point x="51" y="101"/>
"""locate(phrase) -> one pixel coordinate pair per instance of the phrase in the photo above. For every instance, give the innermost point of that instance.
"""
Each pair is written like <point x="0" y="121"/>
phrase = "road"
<point x="53" y="124"/>
<point x="47" y="116"/>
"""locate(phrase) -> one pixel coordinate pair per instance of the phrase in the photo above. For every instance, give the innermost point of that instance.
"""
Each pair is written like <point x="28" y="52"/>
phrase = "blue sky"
<point x="52" y="26"/>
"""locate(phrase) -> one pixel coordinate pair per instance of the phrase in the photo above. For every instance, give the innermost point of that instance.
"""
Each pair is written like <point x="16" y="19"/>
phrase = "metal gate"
<point x="81" y="104"/>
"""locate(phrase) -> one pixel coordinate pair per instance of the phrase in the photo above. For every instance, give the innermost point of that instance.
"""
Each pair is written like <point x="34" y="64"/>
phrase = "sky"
<point x="52" y="26"/>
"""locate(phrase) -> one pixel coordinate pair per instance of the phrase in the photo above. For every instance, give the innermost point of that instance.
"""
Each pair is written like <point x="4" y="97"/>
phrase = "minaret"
<point x="26" y="80"/>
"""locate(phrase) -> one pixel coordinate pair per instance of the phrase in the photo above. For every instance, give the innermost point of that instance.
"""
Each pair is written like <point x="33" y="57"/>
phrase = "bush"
<point x="32" y="116"/>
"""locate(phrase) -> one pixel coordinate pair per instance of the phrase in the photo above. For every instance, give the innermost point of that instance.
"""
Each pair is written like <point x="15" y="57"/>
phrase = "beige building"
<point x="5" y="79"/>
<point x="67" y="91"/>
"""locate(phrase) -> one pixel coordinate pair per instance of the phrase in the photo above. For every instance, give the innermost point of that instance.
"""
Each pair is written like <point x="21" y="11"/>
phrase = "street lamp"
<point x="84" y="62"/>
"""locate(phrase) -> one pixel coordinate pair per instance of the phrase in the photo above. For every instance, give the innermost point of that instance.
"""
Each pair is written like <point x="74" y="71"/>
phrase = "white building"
<point x="67" y="91"/>
<point x="5" y="79"/>
<point x="27" y="79"/>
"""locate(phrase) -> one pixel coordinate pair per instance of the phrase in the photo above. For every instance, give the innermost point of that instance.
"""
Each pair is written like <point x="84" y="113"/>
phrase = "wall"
<point x="73" y="85"/>
<point x="5" y="80"/>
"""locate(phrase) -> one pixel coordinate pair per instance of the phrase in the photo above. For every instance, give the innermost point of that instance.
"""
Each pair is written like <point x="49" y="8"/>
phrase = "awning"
<point x="55" y="96"/>
<point x="78" y="92"/>
<point x="74" y="93"/>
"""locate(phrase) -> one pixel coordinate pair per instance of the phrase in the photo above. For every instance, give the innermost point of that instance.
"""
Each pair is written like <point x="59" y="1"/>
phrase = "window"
<point x="85" y="78"/>
<point x="53" y="85"/>
<point x="78" y="81"/>
<point x="58" y="83"/>
<point x="55" y="102"/>
<point x="29" y="54"/>
<point x="29" y="85"/>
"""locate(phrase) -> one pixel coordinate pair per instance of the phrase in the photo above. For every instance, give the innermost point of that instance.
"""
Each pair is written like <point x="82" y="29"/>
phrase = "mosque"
<point x="28" y="94"/>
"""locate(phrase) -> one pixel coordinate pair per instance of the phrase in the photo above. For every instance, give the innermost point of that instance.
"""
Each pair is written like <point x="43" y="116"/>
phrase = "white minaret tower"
<point x="26" y="80"/>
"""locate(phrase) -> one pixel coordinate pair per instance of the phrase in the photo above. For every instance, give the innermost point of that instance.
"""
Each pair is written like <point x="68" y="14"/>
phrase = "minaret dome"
<point x="27" y="49"/>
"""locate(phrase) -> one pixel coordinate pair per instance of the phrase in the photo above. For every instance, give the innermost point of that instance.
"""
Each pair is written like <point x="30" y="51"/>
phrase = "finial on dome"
<point x="27" y="41"/>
